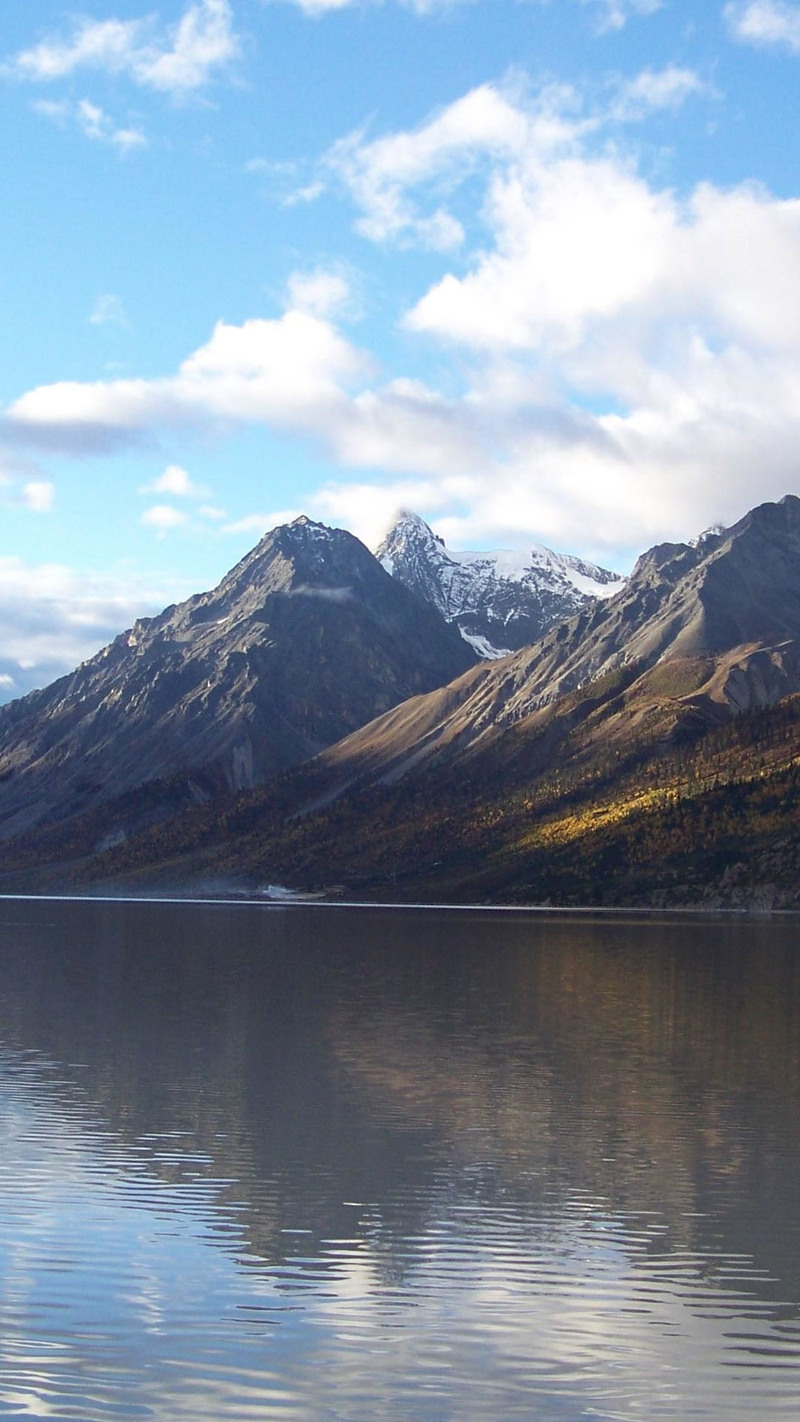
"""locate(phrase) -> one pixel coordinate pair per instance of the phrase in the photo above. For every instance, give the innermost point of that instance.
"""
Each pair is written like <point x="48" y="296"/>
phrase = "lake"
<point x="326" y="1163"/>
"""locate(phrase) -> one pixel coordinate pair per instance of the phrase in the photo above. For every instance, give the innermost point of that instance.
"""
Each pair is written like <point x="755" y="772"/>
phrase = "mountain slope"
<point x="738" y="587"/>
<point x="497" y="786"/>
<point x="500" y="601"/>
<point x="551" y="810"/>
<point x="705" y="630"/>
<point x="304" y="640"/>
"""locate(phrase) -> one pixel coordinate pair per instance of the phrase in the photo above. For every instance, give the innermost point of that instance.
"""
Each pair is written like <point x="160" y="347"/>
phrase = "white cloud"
<point x="97" y="125"/>
<point x="289" y="372"/>
<point x="655" y="89"/>
<point x="53" y="617"/>
<point x="623" y="363"/>
<point x="204" y="41"/>
<point x="163" y="517"/>
<point x="175" y="62"/>
<point x="765" y="22"/>
<point x="37" y="495"/>
<point x="176" y="481"/>
<point x="370" y="508"/>
<point x="574" y="241"/>
<point x="94" y="123"/>
<point x="102" y="44"/>
<point x="585" y="248"/>
<point x="320" y="293"/>
<point x="19" y="490"/>
<point x="485" y="125"/>
<point x="404" y="183"/>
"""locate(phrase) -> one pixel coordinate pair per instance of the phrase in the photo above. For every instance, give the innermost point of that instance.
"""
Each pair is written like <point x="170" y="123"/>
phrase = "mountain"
<point x="303" y="641"/>
<point x="499" y="601"/>
<point x="705" y="629"/>
<point x="645" y="751"/>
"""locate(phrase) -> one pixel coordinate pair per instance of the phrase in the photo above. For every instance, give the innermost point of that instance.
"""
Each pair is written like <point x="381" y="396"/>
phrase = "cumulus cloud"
<point x="289" y="372"/>
<point x="176" y="61"/>
<point x="52" y="617"/>
<point x="486" y="125"/>
<point x="765" y="22"/>
<point x="585" y="250"/>
<point x="176" y="481"/>
<point x="321" y="292"/>
<point x="635" y="353"/>
<point x="623" y="361"/>
<point x="403" y="183"/>
<point x="370" y="508"/>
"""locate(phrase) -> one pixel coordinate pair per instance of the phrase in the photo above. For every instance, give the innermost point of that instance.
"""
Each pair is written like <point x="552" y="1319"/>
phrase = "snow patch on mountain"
<point x="484" y="649"/>
<point x="500" y="600"/>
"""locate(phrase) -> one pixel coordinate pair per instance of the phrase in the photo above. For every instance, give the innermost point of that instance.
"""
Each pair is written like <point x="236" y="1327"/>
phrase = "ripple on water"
<point x="372" y="1243"/>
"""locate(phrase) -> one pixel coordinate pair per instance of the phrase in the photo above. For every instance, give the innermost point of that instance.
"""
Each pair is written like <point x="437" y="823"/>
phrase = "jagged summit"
<point x="697" y="634"/>
<point x="500" y="601"/>
<point x="301" y="552"/>
<point x="304" y="640"/>
<point x="409" y="527"/>
<point x="255" y="675"/>
<point x="521" y="766"/>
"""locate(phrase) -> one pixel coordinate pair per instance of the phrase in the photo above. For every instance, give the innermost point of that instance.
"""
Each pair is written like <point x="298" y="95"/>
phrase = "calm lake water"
<point x="318" y="1163"/>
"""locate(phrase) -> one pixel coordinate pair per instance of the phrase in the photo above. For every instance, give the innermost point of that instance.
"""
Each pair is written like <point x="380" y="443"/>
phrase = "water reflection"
<point x="328" y="1164"/>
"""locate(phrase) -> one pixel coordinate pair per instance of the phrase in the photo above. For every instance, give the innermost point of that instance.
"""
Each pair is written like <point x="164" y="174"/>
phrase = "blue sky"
<point x="530" y="267"/>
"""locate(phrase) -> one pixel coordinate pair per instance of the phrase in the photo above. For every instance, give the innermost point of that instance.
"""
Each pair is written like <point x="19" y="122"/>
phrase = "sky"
<point x="530" y="268"/>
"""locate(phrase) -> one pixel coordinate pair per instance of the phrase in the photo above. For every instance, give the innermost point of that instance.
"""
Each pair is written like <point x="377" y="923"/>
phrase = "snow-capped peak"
<point x="501" y="599"/>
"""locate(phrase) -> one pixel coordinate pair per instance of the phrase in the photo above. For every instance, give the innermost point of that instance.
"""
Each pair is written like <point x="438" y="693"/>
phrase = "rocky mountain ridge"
<point x="664" y="721"/>
<point x="304" y="640"/>
<point x="715" y="625"/>
<point x="500" y="601"/>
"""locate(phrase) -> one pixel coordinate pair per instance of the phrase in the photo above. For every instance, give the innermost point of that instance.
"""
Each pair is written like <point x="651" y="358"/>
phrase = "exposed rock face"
<point x="717" y="623"/>
<point x="303" y="641"/>
<point x="739" y="587"/>
<point x="499" y="601"/>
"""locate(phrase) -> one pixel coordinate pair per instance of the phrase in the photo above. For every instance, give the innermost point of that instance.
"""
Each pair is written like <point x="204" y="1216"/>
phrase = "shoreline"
<point x="262" y="901"/>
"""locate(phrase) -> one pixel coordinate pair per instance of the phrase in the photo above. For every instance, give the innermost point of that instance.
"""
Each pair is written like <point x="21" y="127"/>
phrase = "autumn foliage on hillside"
<point x="680" y="810"/>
